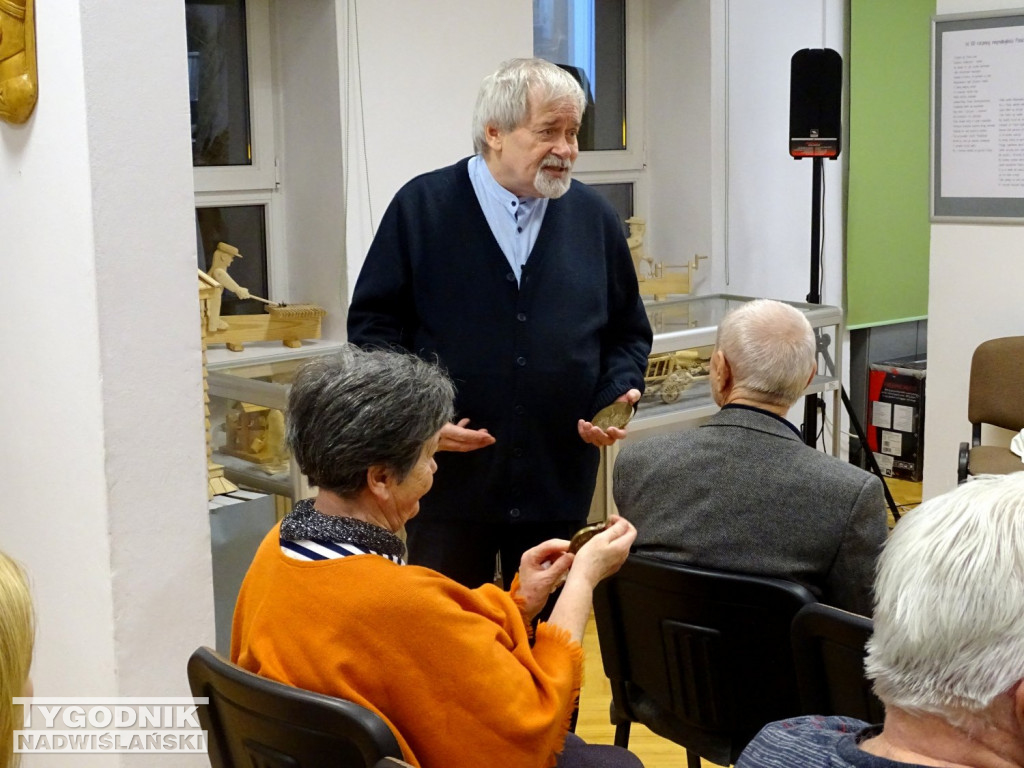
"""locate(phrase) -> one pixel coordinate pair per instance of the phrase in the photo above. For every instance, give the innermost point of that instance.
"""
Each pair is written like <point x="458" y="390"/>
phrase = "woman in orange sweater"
<point x="329" y="605"/>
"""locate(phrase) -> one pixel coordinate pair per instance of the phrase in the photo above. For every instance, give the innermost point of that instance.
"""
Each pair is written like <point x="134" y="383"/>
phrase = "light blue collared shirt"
<point x="514" y="221"/>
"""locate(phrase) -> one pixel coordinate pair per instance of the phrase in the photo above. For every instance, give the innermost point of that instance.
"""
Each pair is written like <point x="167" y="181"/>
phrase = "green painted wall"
<point x="887" y="219"/>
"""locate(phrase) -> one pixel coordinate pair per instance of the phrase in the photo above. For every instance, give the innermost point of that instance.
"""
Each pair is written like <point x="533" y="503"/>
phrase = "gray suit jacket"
<point x="743" y="493"/>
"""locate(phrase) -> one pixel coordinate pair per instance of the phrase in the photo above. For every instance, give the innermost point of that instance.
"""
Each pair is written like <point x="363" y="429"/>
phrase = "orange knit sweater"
<point x="450" y="669"/>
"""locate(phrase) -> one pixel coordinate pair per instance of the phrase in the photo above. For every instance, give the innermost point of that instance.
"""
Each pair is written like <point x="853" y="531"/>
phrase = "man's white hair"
<point x="503" y="99"/>
<point x="949" y="602"/>
<point x="770" y="348"/>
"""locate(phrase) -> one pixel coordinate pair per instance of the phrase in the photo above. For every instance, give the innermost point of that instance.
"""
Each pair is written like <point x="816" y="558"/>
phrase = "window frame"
<point x="258" y="183"/>
<point x="634" y="177"/>
<point x="261" y="173"/>
<point x="634" y="157"/>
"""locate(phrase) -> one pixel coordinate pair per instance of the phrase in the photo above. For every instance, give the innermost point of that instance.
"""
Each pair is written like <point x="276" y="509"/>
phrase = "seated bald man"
<point x="742" y="492"/>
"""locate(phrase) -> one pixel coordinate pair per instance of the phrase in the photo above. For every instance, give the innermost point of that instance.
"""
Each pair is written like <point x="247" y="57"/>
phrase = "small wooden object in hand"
<point x="615" y="415"/>
<point x="585" y="534"/>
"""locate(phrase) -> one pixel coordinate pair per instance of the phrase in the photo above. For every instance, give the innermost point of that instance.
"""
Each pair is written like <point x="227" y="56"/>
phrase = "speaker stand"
<point x="810" y="426"/>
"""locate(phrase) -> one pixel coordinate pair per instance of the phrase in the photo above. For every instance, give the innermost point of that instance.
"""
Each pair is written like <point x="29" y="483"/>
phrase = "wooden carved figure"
<point x="287" y="324"/>
<point x="670" y="373"/>
<point x="222" y="258"/>
<point x="654" y="278"/>
<point x="19" y="79"/>
<point x="255" y="433"/>
<point x="643" y="264"/>
<point x="215" y="481"/>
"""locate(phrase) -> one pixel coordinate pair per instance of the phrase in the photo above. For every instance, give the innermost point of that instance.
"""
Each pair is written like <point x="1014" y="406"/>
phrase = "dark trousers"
<point x="465" y="550"/>
<point x="579" y="754"/>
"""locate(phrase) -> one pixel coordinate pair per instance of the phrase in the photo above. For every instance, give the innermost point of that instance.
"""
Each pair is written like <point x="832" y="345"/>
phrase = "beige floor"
<point x="906" y="494"/>
<point x="655" y="752"/>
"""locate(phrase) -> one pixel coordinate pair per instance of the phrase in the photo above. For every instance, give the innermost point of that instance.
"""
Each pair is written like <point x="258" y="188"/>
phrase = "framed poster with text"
<point x="977" y="141"/>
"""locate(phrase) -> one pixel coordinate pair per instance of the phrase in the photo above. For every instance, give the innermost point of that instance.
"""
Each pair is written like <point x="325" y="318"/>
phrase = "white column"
<point x="101" y="399"/>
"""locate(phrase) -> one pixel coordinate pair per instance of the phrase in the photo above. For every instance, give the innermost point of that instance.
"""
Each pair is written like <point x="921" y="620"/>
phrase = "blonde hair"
<point x="17" y="633"/>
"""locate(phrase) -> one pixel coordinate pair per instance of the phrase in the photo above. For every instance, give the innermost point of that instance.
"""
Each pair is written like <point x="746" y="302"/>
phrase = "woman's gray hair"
<point x="771" y="349"/>
<point x="949" y="602"/>
<point x="358" y="409"/>
<point x="503" y="99"/>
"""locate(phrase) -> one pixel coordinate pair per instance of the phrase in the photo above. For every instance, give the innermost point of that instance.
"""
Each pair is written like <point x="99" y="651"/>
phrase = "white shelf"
<point x="219" y="358"/>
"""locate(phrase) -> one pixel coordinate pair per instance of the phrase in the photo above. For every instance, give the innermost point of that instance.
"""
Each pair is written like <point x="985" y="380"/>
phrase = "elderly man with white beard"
<point x="519" y="281"/>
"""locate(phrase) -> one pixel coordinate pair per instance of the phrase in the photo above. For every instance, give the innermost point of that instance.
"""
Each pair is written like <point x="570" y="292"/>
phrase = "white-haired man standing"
<point x="519" y="281"/>
<point x="743" y="492"/>
<point x="947" y="653"/>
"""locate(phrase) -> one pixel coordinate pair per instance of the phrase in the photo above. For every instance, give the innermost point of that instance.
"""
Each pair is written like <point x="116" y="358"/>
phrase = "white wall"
<point x="722" y="181"/>
<point x="974" y="288"/>
<point x="421" y="65"/>
<point x="680" y="117"/>
<point x="418" y="93"/>
<point x="306" y="56"/>
<point x="101" y="400"/>
<point x="768" y="204"/>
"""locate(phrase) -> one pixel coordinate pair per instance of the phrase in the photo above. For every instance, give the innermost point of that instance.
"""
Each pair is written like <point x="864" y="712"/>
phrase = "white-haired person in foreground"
<point x="947" y="654"/>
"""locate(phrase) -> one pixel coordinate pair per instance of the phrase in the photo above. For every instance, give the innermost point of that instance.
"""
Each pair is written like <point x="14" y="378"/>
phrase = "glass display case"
<point x="248" y="397"/>
<point x="678" y="389"/>
<point x="248" y="391"/>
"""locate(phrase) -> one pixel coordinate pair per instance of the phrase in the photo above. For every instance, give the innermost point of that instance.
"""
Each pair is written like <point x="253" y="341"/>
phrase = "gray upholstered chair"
<point x="996" y="397"/>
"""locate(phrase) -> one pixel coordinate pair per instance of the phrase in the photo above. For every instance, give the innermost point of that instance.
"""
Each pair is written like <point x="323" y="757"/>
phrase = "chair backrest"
<point x="253" y="722"/>
<point x="700" y="657"/>
<point x="828" y="650"/>
<point x="997" y="383"/>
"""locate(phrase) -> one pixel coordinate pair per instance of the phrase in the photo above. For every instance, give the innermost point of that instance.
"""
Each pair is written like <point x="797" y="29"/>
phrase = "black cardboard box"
<point x="896" y="416"/>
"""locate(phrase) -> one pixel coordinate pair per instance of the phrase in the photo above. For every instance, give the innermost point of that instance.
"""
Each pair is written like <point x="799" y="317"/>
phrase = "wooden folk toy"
<point x="670" y="373"/>
<point x="19" y="78"/>
<point x="216" y="483"/>
<point x="654" y="278"/>
<point x="287" y="324"/>
<point x="256" y="433"/>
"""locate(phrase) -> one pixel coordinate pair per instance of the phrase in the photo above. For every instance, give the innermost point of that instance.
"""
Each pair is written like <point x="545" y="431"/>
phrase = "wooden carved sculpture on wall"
<point x="19" y="83"/>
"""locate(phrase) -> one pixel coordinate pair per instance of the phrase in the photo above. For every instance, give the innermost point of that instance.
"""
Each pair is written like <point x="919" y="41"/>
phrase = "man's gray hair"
<point x="358" y="409"/>
<point x="503" y="99"/>
<point x="949" y="602"/>
<point x="770" y="348"/>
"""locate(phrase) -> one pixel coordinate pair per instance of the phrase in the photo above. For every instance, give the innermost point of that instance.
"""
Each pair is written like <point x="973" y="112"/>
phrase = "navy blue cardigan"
<point x="527" y="360"/>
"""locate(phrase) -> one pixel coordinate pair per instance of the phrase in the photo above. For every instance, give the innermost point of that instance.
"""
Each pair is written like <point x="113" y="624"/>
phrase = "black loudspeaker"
<point x="815" y="102"/>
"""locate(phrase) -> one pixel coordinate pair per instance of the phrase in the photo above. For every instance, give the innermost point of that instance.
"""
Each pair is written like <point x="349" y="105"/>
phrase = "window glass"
<point x="621" y="198"/>
<point x="244" y="227"/>
<point x="588" y="38"/>
<point x="218" y="81"/>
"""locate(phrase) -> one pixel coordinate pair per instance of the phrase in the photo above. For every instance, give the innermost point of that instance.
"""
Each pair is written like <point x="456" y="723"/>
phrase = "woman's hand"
<point x="605" y="553"/>
<point x="602" y="556"/>
<point x="541" y="571"/>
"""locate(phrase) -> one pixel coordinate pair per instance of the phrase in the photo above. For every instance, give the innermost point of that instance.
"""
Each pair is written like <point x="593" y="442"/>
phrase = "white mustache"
<point x="556" y="162"/>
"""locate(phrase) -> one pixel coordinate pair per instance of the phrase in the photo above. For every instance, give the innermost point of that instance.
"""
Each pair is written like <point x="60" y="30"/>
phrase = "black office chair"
<point x="253" y="722"/>
<point x="700" y="657"/>
<point x="995" y="397"/>
<point x="829" y="650"/>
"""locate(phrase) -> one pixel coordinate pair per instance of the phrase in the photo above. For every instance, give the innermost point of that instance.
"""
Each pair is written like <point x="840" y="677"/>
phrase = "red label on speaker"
<point x="814" y="147"/>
